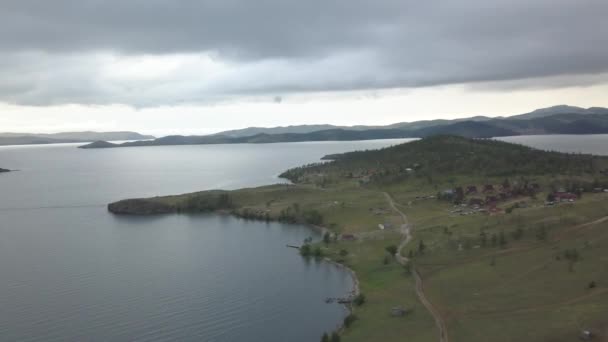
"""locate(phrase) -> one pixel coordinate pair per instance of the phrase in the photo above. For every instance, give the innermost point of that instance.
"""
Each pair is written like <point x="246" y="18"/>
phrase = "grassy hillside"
<point x="521" y="266"/>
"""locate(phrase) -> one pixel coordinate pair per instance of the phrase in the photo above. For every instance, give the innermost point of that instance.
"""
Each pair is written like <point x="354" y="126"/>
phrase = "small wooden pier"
<point x="339" y="300"/>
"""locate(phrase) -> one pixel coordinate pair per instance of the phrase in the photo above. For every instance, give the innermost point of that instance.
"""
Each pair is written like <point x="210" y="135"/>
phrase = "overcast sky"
<point x="196" y="66"/>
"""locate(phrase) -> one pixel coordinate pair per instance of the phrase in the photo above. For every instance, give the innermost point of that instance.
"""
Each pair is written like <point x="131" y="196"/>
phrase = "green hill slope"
<point x="451" y="155"/>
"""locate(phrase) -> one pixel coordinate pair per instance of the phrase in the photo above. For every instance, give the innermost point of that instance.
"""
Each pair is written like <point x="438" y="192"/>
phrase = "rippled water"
<point x="70" y="271"/>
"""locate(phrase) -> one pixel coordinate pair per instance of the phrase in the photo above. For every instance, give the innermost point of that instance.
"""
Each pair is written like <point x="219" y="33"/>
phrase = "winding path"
<point x="407" y="234"/>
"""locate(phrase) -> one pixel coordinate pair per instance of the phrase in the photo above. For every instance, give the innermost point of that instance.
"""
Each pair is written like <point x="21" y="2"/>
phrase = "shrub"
<point x="359" y="299"/>
<point x="392" y="249"/>
<point x="317" y="252"/>
<point x="305" y="250"/>
<point x="348" y="320"/>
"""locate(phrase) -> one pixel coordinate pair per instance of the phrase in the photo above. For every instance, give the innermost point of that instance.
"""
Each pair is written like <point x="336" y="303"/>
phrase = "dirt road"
<point x="406" y="230"/>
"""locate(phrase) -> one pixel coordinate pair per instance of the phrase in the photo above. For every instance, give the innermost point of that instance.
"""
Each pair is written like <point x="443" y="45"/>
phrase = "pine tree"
<point x="502" y="240"/>
<point x="421" y="247"/>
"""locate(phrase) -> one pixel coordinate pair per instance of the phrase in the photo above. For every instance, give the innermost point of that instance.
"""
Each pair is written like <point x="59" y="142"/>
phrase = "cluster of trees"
<point x="294" y="214"/>
<point x="296" y="174"/>
<point x="307" y="250"/>
<point x="250" y="214"/>
<point x="208" y="201"/>
<point x="494" y="240"/>
<point x="334" y="337"/>
<point x="420" y="250"/>
<point x="501" y="239"/>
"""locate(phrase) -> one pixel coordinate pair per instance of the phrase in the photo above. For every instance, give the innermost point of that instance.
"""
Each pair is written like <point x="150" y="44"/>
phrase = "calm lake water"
<point x="70" y="271"/>
<point x="593" y="144"/>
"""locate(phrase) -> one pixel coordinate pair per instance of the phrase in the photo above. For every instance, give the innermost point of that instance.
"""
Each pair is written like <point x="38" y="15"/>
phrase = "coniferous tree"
<point x="502" y="240"/>
<point x="421" y="247"/>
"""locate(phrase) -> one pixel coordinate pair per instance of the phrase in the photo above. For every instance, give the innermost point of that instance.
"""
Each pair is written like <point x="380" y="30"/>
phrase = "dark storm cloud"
<point x="311" y="45"/>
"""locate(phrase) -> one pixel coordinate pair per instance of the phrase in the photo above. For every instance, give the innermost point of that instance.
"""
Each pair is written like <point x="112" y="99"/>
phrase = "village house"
<point x="399" y="311"/>
<point x="564" y="197"/>
<point x="476" y="201"/>
<point x="348" y="237"/>
<point x="488" y="188"/>
<point x="365" y="180"/>
<point x="491" y="200"/>
<point x="495" y="210"/>
<point x="379" y="211"/>
<point x="471" y="189"/>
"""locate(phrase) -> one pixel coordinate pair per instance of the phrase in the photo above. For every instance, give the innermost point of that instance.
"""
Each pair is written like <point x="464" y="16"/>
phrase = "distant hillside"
<point x="451" y="155"/>
<point x="473" y="129"/>
<point x="410" y="126"/>
<point x="581" y="121"/>
<point x="67" y="137"/>
<point x="247" y="132"/>
<point x="569" y="123"/>
<point x="561" y="109"/>
<point x="326" y="135"/>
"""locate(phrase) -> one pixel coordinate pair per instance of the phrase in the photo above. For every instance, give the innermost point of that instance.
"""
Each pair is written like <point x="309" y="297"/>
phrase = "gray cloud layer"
<point x="51" y="49"/>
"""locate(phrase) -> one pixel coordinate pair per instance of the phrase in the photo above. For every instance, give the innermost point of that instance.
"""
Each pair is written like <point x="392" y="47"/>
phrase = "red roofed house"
<point x="488" y="188"/>
<point x="348" y="237"/>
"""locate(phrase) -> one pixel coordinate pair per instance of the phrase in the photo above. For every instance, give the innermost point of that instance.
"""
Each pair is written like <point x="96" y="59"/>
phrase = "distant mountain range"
<point x="67" y="137"/>
<point x="553" y="120"/>
<point x="301" y="129"/>
<point x="411" y="126"/>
